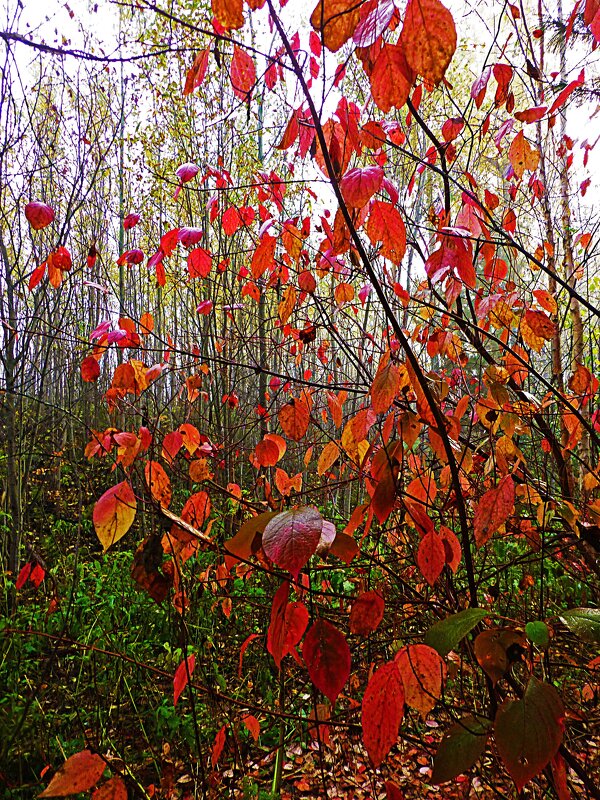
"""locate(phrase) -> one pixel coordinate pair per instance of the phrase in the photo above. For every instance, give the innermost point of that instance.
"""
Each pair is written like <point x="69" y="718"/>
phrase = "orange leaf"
<point x="252" y="725"/>
<point x="294" y="418"/>
<point x="264" y="256"/>
<point x="328" y="457"/>
<point x="197" y="72"/>
<point x="385" y="387"/>
<point x="336" y="20"/>
<point x="522" y="155"/>
<point x="540" y="324"/>
<point x="159" y="483"/>
<point x="113" y="789"/>
<point x="78" y="774"/>
<point x="114" y="513"/>
<point x="429" y="38"/>
<point x="229" y="13"/>
<point x="423" y="672"/>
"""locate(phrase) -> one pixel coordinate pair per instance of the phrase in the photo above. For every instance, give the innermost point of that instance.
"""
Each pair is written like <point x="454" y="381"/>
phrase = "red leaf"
<point x="359" y="185"/>
<point x="429" y="38"/>
<point x="423" y="672"/>
<point x="291" y="538"/>
<point x="130" y="221"/>
<point x="199" y="263"/>
<point x="182" y="676"/>
<point x="23" y="575"/>
<point x="242" y="73"/>
<point x="533" y="114"/>
<point x="431" y="557"/>
<point x="253" y="726"/>
<point x="391" y="78"/>
<point x="382" y="711"/>
<point x="172" y="444"/>
<point x="218" y="746"/>
<point x="392" y="792"/>
<point x="367" y="613"/>
<point x="243" y="649"/>
<point x="39" y="215"/>
<point x="287" y="626"/>
<point x="78" y="774"/>
<point x="493" y="510"/>
<point x="529" y="731"/>
<point x="90" y="369"/>
<point x="168" y="241"/>
<point x="197" y="72"/>
<point x="327" y="656"/>
<point x="385" y="225"/>
<point x="563" y="96"/>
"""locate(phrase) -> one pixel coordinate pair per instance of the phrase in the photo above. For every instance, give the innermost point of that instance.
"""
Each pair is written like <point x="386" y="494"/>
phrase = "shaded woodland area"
<point x="300" y="421"/>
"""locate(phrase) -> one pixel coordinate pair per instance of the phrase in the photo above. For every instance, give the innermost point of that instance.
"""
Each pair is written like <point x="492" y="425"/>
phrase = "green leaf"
<point x="538" y="633"/>
<point x="584" y="622"/>
<point x="445" y="635"/>
<point x="529" y="731"/>
<point x="462" y="746"/>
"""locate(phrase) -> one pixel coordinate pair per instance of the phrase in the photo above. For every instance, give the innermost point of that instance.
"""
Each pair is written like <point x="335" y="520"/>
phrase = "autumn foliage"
<point x="409" y="441"/>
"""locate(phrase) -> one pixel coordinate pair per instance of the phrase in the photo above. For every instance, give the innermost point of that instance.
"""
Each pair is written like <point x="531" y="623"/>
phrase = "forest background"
<point x="299" y="459"/>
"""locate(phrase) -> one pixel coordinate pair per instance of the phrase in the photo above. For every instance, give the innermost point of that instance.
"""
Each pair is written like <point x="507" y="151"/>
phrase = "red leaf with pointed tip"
<point x="197" y="72"/>
<point x="219" y="744"/>
<point x="168" y="241"/>
<point x="382" y="711"/>
<point x="180" y="679"/>
<point x="39" y="215"/>
<point x="493" y="510"/>
<point x="431" y="557"/>
<point x="429" y="38"/>
<point x="533" y="114"/>
<point x="23" y="575"/>
<point x="242" y="73"/>
<point x="287" y="626"/>
<point x="563" y="96"/>
<point x="391" y="78"/>
<point x="199" y="263"/>
<point x="367" y="613"/>
<point x="327" y="656"/>
<point x="78" y="774"/>
<point x="291" y="538"/>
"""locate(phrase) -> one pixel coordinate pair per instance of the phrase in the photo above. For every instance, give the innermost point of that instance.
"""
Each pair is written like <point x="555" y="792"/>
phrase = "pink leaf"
<point x="292" y="537"/>
<point x="359" y="185"/>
